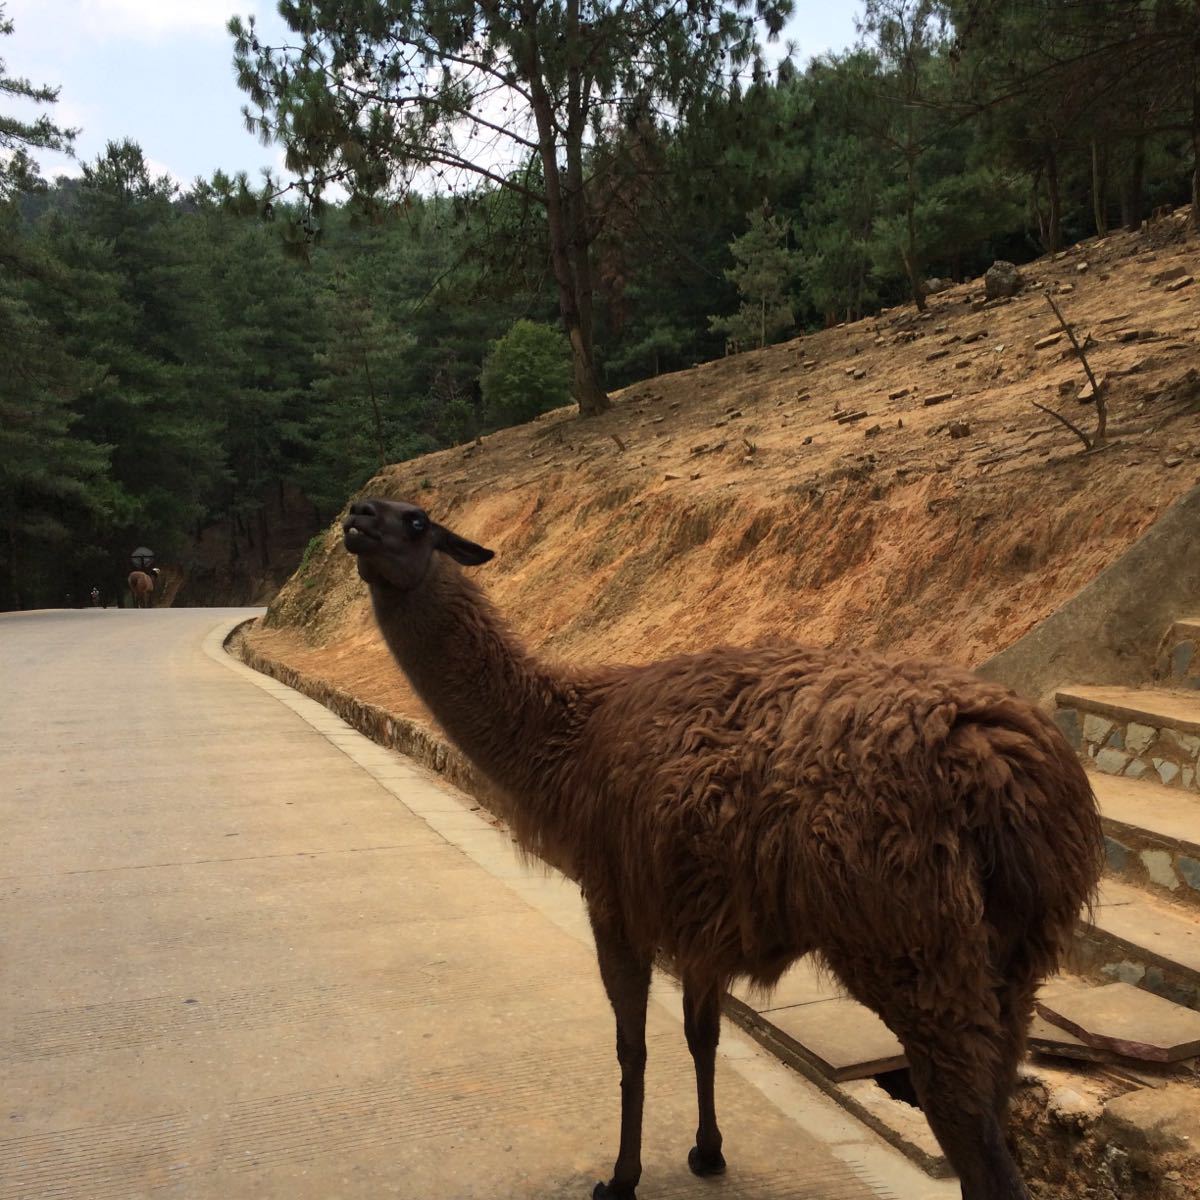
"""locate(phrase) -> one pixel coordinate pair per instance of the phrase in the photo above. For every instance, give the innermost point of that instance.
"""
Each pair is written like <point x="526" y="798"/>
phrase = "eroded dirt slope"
<point x="728" y="503"/>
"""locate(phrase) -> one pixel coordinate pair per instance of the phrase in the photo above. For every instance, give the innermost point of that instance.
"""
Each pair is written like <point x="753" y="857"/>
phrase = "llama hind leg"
<point x="626" y="975"/>
<point x="702" y="1028"/>
<point x="1016" y="1012"/>
<point x="962" y="1048"/>
<point x="964" y="1119"/>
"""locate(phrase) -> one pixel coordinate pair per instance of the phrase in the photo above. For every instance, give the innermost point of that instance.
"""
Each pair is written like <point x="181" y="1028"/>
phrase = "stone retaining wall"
<point x="1136" y="751"/>
<point x="1108" y="960"/>
<point x="1149" y="862"/>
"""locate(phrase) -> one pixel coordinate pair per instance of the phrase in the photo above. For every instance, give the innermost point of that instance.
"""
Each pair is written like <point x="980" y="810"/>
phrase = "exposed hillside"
<point x="728" y="503"/>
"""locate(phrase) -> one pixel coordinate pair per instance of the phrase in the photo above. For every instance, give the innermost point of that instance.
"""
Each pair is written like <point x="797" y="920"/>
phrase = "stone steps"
<point x="1137" y="938"/>
<point x="1179" y="659"/>
<point x="1151" y="836"/>
<point x="1139" y="733"/>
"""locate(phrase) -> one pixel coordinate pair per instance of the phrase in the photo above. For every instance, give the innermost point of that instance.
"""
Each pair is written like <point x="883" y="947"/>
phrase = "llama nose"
<point x="364" y="508"/>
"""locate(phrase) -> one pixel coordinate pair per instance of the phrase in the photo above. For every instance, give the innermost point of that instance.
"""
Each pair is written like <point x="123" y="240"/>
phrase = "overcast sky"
<point x="160" y="72"/>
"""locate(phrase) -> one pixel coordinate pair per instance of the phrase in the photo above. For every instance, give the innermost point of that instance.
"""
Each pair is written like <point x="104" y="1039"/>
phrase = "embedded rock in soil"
<point x="1151" y="1122"/>
<point x="1002" y="279"/>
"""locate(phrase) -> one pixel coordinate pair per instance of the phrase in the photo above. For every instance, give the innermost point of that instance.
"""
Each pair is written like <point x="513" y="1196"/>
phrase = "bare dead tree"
<point x="1097" y="440"/>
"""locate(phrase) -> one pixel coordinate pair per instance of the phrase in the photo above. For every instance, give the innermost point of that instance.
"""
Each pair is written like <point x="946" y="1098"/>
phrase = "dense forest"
<point x="174" y="360"/>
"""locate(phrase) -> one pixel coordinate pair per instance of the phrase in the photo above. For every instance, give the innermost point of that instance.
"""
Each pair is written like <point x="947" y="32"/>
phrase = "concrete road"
<point x="247" y="953"/>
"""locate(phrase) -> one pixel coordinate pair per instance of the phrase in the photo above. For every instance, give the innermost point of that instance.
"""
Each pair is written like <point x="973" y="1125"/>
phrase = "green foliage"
<point x="171" y="362"/>
<point x="314" y="544"/>
<point x="565" y="95"/>
<point x="18" y="172"/>
<point x="526" y="372"/>
<point x="763" y="274"/>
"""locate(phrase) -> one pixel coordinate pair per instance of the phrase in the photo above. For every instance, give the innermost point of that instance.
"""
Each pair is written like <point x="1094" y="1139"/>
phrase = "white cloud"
<point x="156" y="18"/>
<point x="158" y="168"/>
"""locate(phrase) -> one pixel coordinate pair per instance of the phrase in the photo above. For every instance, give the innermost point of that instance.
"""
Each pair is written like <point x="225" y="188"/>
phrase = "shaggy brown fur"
<point x="141" y="588"/>
<point x="930" y="836"/>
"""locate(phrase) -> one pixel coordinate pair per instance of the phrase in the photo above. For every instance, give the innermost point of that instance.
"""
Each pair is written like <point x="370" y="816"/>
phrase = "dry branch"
<point x="1097" y="389"/>
<point x="1083" y="437"/>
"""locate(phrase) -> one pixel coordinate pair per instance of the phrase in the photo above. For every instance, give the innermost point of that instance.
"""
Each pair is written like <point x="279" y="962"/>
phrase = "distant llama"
<point x="141" y="587"/>
<point x="929" y="836"/>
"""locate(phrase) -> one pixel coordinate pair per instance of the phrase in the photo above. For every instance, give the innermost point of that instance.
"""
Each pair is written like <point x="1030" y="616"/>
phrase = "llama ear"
<point x="459" y="549"/>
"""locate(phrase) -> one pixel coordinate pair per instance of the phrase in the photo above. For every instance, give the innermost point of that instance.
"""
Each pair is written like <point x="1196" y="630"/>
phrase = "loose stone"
<point x="1168" y="772"/>
<point x="1125" y="972"/>
<point x="1159" y="869"/>
<point x="1096" y="728"/>
<point x="1111" y="762"/>
<point x="1189" y="868"/>
<point x="1138" y="737"/>
<point x="1187" y="744"/>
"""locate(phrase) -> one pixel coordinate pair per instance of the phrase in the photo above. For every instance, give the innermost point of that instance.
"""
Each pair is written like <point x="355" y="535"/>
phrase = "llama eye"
<point x="417" y="524"/>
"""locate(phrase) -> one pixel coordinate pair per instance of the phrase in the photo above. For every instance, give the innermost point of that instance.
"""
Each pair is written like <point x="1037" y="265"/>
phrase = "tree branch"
<point x="1097" y="390"/>
<point x="1083" y="437"/>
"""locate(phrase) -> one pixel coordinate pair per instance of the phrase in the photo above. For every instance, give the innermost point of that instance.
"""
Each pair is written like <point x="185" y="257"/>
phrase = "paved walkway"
<point x="247" y="953"/>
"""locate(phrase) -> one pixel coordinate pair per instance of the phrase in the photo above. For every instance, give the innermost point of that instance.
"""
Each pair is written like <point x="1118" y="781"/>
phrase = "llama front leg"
<point x="702" y="1028"/>
<point x="626" y="975"/>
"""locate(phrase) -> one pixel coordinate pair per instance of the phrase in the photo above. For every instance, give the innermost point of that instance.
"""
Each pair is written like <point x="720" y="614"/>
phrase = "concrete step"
<point x="1151" y="835"/>
<point x="1139" y="733"/>
<point x="1179" y="659"/>
<point x="1137" y="938"/>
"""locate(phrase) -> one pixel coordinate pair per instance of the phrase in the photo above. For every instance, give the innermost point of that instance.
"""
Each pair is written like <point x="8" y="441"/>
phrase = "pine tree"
<point x="536" y="99"/>
<point x="51" y="478"/>
<point x="17" y="138"/>
<point x="765" y="269"/>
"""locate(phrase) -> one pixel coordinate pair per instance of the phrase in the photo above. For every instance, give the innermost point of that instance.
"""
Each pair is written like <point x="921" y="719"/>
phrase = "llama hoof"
<point x="706" y="1164"/>
<point x="614" y="1191"/>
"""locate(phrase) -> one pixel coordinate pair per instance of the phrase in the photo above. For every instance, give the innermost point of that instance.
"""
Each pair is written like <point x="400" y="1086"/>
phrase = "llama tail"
<point x="1036" y="829"/>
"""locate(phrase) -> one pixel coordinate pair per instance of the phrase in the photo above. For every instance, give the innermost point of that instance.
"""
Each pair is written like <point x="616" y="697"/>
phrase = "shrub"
<point x="526" y="372"/>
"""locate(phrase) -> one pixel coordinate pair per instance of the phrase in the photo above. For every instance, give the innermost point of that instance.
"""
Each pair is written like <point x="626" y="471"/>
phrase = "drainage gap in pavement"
<point x="898" y="1084"/>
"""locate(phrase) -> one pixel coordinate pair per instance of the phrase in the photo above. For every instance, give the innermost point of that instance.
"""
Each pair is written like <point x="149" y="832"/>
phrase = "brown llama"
<point x="930" y="836"/>
<point x="141" y="587"/>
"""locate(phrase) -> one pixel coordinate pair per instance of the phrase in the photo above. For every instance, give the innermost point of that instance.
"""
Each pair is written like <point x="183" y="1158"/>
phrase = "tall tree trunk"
<point x="380" y="448"/>
<point x="910" y="253"/>
<point x="1196" y="129"/>
<point x="1035" y="203"/>
<point x="1054" y="219"/>
<point x="1099" y="198"/>
<point x="911" y="261"/>
<point x="589" y="391"/>
<point x="564" y="241"/>
<point x="1133" y="202"/>
<point x="264" y="552"/>
<point x="577" y="220"/>
<point x="14" y="569"/>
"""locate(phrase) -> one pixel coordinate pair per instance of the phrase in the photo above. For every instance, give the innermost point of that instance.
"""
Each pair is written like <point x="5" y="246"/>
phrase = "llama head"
<point x="395" y="543"/>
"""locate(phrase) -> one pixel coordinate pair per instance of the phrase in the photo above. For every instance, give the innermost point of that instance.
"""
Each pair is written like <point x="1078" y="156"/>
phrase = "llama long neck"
<point x="499" y="705"/>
